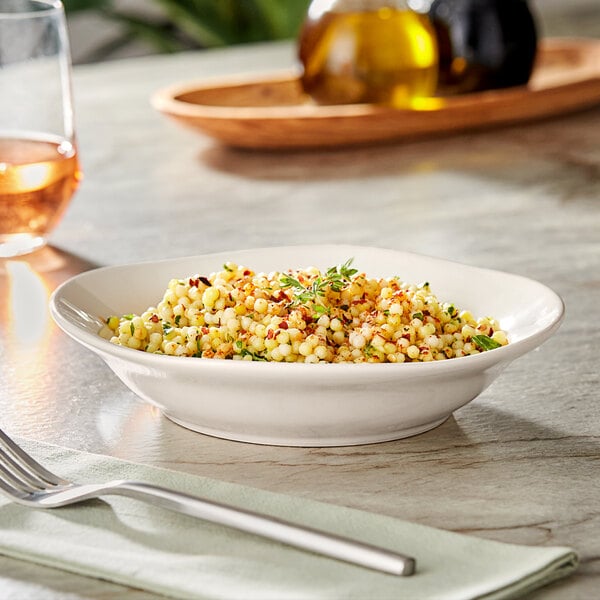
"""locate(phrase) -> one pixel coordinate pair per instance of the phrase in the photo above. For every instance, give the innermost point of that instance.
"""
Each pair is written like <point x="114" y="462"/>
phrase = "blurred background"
<point x="112" y="29"/>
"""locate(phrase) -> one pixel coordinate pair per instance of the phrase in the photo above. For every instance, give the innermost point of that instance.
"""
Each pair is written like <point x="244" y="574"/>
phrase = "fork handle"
<point x="327" y="544"/>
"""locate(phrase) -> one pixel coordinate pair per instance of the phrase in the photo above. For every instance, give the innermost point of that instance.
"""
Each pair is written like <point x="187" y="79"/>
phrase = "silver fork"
<point x="27" y="482"/>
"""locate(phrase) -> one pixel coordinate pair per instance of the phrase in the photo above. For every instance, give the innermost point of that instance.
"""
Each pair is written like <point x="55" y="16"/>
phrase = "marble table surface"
<point x="519" y="464"/>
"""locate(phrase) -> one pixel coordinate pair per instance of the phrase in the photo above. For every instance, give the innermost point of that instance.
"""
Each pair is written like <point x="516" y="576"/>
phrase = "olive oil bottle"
<point x="377" y="51"/>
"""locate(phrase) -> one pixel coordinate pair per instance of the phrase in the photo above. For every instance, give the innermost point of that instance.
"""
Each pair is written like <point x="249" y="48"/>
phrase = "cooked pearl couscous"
<point x="339" y="315"/>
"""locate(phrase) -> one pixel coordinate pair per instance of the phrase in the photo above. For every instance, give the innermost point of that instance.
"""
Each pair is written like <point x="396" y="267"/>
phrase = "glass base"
<point x="17" y="244"/>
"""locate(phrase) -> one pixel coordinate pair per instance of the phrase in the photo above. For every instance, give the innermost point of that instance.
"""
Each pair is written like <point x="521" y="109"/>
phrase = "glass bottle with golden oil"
<point x="376" y="51"/>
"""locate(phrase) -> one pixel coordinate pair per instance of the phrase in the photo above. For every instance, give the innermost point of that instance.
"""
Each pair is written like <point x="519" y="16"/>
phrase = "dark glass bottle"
<point x="483" y="44"/>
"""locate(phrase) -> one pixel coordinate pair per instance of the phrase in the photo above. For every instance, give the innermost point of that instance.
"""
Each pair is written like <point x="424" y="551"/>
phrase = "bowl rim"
<point x="479" y="361"/>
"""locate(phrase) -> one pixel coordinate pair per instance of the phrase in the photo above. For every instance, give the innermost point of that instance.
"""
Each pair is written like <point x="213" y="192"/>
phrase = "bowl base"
<point x="308" y="442"/>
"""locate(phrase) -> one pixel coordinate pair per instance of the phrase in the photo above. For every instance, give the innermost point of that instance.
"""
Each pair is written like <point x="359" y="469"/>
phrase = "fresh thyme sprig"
<point x="302" y="293"/>
<point x="336" y="278"/>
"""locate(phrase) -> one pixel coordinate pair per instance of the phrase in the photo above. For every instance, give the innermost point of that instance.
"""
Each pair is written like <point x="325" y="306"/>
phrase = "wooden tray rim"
<point x="166" y="99"/>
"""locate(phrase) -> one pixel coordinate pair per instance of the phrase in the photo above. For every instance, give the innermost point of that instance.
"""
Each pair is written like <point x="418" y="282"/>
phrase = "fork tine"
<point x="19" y="472"/>
<point x="32" y="466"/>
<point x="18" y="485"/>
<point x="10" y="491"/>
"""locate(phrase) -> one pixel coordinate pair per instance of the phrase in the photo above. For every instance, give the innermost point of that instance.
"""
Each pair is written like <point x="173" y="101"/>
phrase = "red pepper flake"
<point x="278" y="296"/>
<point x="270" y="334"/>
<point x="154" y="318"/>
<point x="247" y="272"/>
<point x="205" y="281"/>
<point x="283" y="325"/>
<point x="194" y="282"/>
<point x="204" y="330"/>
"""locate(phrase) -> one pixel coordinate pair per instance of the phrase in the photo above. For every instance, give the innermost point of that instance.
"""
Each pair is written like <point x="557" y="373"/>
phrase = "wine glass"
<point x="39" y="168"/>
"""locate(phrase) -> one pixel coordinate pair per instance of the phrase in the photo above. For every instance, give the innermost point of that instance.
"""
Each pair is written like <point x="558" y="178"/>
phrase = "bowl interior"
<point x="523" y="306"/>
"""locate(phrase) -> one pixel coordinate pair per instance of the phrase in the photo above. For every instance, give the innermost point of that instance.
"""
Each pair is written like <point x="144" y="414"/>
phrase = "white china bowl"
<point x="295" y="404"/>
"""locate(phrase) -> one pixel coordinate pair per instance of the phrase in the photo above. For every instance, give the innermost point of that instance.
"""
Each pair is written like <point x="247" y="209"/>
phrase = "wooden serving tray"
<point x="271" y="111"/>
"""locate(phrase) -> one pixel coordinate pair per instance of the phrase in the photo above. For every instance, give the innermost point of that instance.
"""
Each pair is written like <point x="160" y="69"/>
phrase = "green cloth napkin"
<point x="132" y="543"/>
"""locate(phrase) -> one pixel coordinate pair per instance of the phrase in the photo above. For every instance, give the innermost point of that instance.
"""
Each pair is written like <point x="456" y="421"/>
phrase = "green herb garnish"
<point x="254" y="356"/>
<point x="485" y="342"/>
<point x="336" y="278"/>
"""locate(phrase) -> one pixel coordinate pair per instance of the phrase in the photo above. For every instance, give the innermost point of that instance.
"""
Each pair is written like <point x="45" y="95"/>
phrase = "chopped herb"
<point x="239" y="345"/>
<point x="177" y="319"/>
<point x="321" y="310"/>
<point x="197" y="354"/>
<point x="485" y="342"/>
<point x="226" y="267"/>
<point x="451" y="310"/>
<point x="418" y="315"/>
<point x="368" y="350"/>
<point x="424" y="284"/>
<point x="254" y="356"/>
<point x="132" y="328"/>
<point x="128" y="317"/>
<point x="167" y="327"/>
